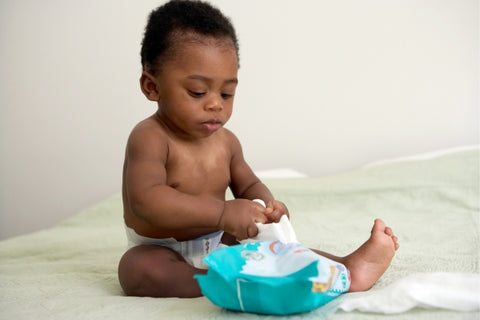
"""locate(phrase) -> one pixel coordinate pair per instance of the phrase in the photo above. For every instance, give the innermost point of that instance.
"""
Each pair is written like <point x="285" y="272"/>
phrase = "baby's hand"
<point x="239" y="217"/>
<point x="275" y="210"/>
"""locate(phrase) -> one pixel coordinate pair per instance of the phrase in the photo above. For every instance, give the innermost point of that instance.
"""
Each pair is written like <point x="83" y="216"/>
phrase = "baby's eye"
<point x="227" y="95"/>
<point x="196" y="94"/>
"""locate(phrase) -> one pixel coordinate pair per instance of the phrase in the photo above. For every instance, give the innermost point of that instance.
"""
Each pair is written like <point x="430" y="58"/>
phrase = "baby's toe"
<point x="389" y="231"/>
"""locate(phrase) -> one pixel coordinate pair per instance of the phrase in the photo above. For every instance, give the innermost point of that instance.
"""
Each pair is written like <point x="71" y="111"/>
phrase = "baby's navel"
<point x="174" y="185"/>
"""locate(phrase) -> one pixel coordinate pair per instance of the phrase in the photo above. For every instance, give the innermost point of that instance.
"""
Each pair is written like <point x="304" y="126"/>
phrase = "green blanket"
<point x="70" y="271"/>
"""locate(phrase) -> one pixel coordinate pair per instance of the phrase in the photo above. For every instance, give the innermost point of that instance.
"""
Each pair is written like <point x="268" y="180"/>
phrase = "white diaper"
<point x="193" y="251"/>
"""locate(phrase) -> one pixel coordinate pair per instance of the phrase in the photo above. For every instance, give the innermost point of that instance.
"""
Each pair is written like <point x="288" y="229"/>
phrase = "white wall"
<point x="325" y="86"/>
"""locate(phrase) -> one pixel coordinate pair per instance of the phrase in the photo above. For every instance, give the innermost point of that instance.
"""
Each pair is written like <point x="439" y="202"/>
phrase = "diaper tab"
<point x="195" y="250"/>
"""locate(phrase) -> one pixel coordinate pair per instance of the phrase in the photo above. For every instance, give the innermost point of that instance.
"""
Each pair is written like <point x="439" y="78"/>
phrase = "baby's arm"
<point x="161" y="206"/>
<point x="149" y="196"/>
<point x="245" y="184"/>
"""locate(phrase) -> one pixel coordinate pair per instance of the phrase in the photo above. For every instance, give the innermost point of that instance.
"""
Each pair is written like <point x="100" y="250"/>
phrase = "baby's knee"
<point x="129" y="274"/>
<point x="140" y="274"/>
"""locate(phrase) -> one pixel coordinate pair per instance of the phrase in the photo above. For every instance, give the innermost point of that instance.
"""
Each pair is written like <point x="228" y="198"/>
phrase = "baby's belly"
<point x="145" y="230"/>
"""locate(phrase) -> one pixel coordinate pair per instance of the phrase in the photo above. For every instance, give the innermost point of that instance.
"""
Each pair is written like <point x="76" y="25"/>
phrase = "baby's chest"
<point x="204" y="172"/>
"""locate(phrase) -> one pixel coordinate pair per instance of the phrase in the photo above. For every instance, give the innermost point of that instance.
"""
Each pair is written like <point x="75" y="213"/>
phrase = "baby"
<point x="180" y="161"/>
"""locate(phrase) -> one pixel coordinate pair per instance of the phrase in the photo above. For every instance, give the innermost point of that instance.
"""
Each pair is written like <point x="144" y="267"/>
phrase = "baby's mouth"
<point x="212" y="125"/>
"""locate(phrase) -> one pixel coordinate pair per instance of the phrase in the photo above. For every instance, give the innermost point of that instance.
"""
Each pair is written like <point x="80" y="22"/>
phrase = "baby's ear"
<point x="148" y="84"/>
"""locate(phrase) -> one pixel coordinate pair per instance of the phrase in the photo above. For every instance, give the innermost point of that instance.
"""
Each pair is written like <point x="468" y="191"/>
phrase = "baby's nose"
<point x="214" y="104"/>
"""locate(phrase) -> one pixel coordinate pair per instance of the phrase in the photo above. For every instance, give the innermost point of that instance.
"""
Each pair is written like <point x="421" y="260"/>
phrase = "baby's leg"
<point x="368" y="263"/>
<point x="156" y="271"/>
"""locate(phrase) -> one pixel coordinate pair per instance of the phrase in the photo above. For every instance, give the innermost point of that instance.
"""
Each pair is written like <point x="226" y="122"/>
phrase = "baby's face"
<point x="197" y="88"/>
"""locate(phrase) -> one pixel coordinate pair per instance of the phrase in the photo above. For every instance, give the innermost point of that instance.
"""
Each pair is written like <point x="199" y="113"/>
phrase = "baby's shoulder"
<point x="148" y="128"/>
<point x="228" y="136"/>
<point x="147" y="134"/>
<point x="230" y="140"/>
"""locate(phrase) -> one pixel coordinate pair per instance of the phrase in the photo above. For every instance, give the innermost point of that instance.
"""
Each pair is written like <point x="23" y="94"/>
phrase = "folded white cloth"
<point x="455" y="291"/>
<point x="281" y="231"/>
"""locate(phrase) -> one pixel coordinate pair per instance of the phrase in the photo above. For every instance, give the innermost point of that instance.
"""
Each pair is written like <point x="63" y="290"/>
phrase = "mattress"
<point x="69" y="271"/>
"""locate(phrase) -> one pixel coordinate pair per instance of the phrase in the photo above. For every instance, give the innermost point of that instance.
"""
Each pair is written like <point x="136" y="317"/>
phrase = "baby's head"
<point x="180" y="21"/>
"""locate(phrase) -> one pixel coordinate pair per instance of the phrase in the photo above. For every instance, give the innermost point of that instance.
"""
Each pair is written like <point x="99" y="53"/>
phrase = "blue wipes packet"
<point x="271" y="277"/>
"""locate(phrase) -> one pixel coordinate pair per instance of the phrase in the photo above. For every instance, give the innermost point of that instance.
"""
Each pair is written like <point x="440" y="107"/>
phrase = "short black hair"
<point x="178" y="17"/>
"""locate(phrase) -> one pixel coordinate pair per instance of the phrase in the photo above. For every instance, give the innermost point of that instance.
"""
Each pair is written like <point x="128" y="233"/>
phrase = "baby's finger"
<point x="252" y="231"/>
<point x="258" y="206"/>
<point x="260" y="218"/>
<point x="269" y="208"/>
<point x="276" y="215"/>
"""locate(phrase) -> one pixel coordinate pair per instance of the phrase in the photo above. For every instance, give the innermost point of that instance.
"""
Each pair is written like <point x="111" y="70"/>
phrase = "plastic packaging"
<point x="271" y="277"/>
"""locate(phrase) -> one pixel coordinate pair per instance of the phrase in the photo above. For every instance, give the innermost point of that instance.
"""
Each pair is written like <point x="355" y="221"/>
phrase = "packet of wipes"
<point x="271" y="277"/>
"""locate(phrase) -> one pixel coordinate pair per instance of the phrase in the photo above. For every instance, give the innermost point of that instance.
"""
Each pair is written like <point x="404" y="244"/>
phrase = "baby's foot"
<point x="371" y="259"/>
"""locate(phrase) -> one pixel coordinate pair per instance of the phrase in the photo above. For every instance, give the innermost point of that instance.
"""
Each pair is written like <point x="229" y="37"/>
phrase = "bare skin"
<point x="180" y="161"/>
<point x="370" y="261"/>
<point x="366" y="265"/>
